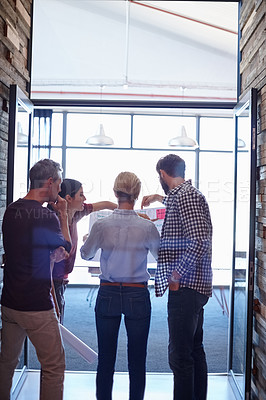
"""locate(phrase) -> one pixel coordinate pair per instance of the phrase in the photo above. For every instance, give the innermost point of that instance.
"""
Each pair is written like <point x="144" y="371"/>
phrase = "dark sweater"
<point x="30" y="233"/>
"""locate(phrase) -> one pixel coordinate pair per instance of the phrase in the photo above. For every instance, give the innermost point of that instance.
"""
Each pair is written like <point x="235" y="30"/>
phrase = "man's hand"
<point x="173" y="285"/>
<point x="174" y="281"/>
<point x="58" y="255"/>
<point x="147" y="200"/>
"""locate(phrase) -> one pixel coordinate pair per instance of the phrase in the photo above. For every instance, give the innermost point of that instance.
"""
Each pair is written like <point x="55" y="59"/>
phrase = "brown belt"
<point x="123" y="284"/>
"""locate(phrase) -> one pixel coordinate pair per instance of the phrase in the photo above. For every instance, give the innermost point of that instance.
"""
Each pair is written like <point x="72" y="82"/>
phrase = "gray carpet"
<point x="79" y="319"/>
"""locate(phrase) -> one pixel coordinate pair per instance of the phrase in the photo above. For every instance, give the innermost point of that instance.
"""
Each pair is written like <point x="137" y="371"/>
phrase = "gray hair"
<point x="43" y="170"/>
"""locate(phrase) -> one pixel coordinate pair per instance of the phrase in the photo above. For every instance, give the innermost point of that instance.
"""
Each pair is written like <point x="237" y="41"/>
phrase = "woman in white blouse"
<point x="125" y="240"/>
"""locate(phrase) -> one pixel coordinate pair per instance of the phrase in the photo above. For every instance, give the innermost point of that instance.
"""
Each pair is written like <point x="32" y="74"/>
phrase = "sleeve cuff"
<point x="164" y="200"/>
<point x="88" y="208"/>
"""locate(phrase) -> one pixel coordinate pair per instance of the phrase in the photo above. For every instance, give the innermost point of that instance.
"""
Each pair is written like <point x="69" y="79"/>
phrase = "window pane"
<point x="57" y="129"/>
<point x="56" y="155"/>
<point x="35" y="133"/>
<point x="97" y="170"/>
<point x="156" y="131"/>
<point x="243" y="207"/>
<point x="39" y="153"/>
<point x="244" y="133"/>
<point x="41" y="131"/>
<point x="81" y="126"/>
<point x="216" y="183"/>
<point x="20" y="172"/>
<point x="217" y="134"/>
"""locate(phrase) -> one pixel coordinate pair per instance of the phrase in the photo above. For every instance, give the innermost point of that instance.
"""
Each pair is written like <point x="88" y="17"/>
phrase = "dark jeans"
<point x="111" y="303"/>
<point x="186" y="353"/>
<point x="60" y="286"/>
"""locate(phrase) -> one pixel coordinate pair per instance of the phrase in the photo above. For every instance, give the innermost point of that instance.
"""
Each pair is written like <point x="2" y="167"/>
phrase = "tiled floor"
<point x="81" y="386"/>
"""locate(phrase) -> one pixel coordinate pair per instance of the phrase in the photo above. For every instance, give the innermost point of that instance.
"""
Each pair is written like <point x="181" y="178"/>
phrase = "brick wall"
<point x="253" y="74"/>
<point x="15" y="31"/>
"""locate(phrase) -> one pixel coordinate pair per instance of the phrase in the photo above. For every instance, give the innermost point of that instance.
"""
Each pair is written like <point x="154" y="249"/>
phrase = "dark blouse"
<point x="63" y="268"/>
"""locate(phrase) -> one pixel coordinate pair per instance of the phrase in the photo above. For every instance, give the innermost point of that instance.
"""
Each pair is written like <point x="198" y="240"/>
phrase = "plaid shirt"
<point x="186" y="241"/>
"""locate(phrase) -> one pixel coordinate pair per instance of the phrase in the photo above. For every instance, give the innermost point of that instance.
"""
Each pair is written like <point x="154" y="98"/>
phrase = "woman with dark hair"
<point x="72" y="192"/>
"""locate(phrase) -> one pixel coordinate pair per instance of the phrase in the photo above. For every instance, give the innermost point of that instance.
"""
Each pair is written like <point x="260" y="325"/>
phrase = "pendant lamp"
<point x="182" y="140"/>
<point x="240" y="143"/>
<point x="100" y="139"/>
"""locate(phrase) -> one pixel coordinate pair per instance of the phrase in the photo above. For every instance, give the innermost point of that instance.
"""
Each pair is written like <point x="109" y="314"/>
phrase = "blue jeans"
<point x="186" y="353"/>
<point x="111" y="303"/>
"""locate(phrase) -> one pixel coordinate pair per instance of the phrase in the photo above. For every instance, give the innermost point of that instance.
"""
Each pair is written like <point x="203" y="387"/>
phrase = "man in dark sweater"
<point x="30" y="233"/>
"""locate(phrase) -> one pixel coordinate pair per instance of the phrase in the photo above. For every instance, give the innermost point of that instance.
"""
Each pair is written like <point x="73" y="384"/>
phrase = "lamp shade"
<point x="100" y="139"/>
<point x="182" y="140"/>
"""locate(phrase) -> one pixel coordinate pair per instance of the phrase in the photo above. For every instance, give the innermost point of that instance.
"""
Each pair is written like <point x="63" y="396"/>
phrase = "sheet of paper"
<point x="80" y="347"/>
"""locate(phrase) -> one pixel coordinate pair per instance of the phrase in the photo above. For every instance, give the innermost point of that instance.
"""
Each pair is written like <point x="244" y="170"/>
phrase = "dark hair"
<point x="173" y="165"/>
<point x="70" y="187"/>
<point x="43" y="170"/>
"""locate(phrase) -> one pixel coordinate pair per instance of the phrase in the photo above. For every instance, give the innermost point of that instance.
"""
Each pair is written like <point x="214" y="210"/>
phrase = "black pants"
<point x="186" y="353"/>
<point x="60" y="288"/>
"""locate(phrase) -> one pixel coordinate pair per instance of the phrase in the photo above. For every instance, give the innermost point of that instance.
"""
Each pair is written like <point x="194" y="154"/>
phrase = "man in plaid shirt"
<point x="184" y="266"/>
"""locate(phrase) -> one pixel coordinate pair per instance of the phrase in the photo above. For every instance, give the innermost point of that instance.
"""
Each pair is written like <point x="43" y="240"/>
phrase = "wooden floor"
<point x="81" y="386"/>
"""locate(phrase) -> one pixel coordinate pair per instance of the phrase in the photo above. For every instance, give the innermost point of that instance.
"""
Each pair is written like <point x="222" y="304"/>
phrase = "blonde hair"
<point x="127" y="186"/>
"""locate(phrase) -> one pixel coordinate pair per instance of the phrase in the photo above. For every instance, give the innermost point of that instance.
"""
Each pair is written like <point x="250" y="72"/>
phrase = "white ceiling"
<point x="172" y="45"/>
<point x="185" y="19"/>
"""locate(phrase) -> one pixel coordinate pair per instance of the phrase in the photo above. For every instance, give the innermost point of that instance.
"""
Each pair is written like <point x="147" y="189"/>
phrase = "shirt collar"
<point x="125" y="212"/>
<point x="179" y="187"/>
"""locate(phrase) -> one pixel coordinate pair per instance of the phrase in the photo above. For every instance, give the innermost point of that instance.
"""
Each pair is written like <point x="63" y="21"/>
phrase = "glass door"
<point x="244" y="246"/>
<point x="19" y="150"/>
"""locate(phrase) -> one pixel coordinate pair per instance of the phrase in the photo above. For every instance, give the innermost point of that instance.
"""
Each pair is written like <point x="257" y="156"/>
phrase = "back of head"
<point x="127" y="186"/>
<point x="43" y="170"/>
<point x="69" y="187"/>
<point x="173" y="165"/>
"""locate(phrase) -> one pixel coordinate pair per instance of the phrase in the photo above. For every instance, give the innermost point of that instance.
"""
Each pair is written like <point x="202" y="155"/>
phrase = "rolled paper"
<point x="80" y="347"/>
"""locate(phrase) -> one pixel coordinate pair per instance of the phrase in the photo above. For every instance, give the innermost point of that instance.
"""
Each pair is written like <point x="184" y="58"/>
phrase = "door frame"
<point x="249" y="100"/>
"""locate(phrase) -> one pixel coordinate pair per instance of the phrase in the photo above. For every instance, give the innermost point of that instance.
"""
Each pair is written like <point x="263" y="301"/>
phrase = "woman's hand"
<point x="60" y="207"/>
<point x="85" y="237"/>
<point x="58" y="255"/>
